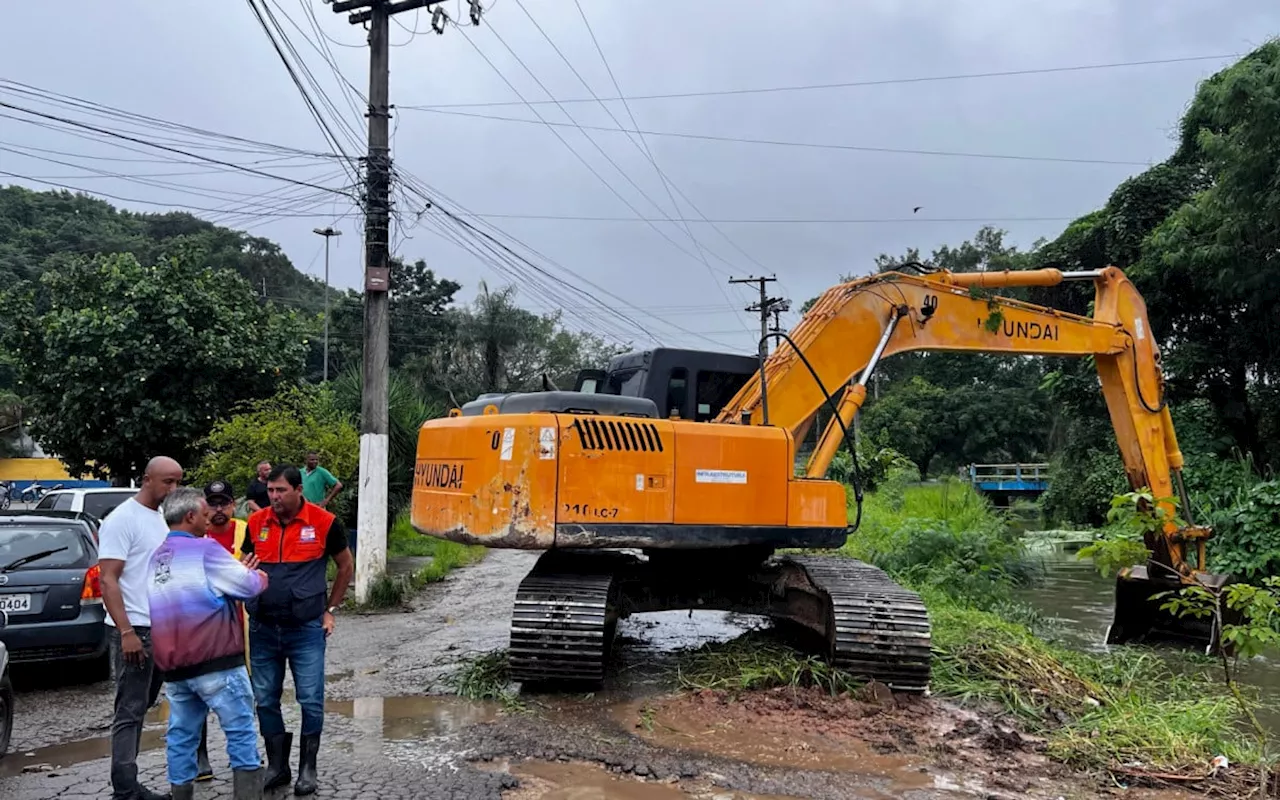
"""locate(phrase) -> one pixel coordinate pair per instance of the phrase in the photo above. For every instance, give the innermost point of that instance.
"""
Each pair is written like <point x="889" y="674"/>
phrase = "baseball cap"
<point x="220" y="489"/>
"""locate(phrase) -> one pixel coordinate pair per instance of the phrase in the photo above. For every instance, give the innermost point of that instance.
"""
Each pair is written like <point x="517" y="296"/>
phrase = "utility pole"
<point x="327" y="233"/>
<point x="765" y="307"/>
<point x="371" y="518"/>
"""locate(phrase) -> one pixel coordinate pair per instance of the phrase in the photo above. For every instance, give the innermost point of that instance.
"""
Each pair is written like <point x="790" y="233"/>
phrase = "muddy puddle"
<point x="800" y="741"/>
<point x="545" y="780"/>
<point x="68" y="754"/>
<point x="408" y="724"/>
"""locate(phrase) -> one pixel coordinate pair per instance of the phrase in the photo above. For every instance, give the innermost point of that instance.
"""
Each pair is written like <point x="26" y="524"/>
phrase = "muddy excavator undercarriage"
<point x="670" y="480"/>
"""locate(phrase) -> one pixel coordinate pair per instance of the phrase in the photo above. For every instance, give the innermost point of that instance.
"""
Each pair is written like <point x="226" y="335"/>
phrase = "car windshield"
<point x="100" y="504"/>
<point x="19" y="541"/>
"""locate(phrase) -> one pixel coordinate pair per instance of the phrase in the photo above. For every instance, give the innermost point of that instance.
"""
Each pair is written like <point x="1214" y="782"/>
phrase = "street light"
<point x="327" y="233"/>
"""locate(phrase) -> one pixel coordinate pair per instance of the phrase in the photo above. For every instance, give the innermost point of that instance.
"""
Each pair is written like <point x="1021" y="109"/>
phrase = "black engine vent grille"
<point x="608" y="434"/>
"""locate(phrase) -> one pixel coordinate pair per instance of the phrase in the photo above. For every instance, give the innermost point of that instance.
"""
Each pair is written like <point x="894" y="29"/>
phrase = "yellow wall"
<point x="26" y="469"/>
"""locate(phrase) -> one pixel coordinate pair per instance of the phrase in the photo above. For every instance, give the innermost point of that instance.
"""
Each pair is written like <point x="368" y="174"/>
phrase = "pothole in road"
<point x="412" y="717"/>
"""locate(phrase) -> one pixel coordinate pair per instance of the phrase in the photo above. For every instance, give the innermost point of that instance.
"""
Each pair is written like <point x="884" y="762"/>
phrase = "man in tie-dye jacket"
<point x="198" y="641"/>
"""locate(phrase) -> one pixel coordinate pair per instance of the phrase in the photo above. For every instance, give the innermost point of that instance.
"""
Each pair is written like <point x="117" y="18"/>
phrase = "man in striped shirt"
<point x="198" y="641"/>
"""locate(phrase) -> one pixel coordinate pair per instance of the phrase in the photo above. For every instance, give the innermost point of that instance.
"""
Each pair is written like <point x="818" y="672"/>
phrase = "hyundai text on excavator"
<point x="671" y="480"/>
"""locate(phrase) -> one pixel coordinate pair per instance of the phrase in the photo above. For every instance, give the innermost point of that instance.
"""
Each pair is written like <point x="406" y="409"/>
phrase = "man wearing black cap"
<point x="228" y="532"/>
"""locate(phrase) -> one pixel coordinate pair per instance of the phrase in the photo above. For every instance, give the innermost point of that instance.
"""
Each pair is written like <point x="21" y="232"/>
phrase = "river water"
<point x="1077" y="602"/>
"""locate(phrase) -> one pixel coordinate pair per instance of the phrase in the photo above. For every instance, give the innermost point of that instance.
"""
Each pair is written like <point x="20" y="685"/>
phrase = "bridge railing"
<point x="1008" y="473"/>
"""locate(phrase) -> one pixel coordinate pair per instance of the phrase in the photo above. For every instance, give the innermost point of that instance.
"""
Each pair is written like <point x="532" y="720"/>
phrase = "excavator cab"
<point x="684" y="384"/>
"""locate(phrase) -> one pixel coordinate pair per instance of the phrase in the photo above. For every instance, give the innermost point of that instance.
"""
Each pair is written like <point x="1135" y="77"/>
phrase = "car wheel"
<point x="6" y="714"/>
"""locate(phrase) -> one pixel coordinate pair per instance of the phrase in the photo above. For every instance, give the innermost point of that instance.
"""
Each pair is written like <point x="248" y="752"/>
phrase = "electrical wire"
<point x="262" y="14"/>
<point x="856" y="84"/>
<point x="778" y="220"/>
<point x="137" y="200"/>
<point x="642" y="146"/>
<point x="158" y="146"/>
<point x="849" y="441"/>
<point x="786" y="143"/>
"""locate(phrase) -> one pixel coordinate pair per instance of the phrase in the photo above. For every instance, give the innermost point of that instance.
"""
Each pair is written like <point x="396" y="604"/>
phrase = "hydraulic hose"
<point x="835" y="411"/>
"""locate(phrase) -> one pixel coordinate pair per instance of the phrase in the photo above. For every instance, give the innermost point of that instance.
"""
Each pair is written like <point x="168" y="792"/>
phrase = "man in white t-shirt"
<point x="128" y="538"/>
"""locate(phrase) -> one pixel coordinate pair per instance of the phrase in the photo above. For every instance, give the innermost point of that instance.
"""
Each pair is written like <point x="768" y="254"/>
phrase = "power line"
<point x="148" y="122"/>
<point x="326" y="130"/>
<point x="855" y="84"/>
<point x="426" y="194"/>
<point x="776" y="220"/>
<point x="785" y="143"/>
<point x="643" y="146"/>
<point x="97" y="193"/>
<point x="585" y="163"/>
<point x="158" y="146"/>
<point x="667" y="182"/>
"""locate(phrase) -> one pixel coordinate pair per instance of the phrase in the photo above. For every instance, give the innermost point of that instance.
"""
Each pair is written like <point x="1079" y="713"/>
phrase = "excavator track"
<point x="562" y="624"/>
<point x="566" y="612"/>
<point x="878" y="629"/>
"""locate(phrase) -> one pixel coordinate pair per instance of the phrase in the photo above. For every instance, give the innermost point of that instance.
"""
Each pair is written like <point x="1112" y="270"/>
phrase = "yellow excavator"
<point x="672" y="480"/>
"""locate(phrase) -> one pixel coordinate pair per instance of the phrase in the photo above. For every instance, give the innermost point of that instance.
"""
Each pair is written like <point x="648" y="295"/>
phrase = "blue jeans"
<point x="228" y="693"/>
<point x="270" y="647"/>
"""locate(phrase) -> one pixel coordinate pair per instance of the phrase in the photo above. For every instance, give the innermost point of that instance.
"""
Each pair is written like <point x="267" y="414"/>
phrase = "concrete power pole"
<point x="327" y="233"/>
<point x="765" y="307"/>
<point x="371" y="517"/>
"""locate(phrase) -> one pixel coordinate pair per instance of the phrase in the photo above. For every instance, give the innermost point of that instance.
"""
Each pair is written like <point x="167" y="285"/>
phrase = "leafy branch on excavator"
<point x="670" y="481"/>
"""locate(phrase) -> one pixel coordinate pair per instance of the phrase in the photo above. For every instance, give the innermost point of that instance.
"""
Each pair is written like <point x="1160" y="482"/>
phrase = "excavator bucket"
<point x="1139" y="618"/>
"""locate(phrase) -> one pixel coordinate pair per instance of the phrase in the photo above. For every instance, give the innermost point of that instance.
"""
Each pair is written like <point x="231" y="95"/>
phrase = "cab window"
<point x="714" y="390"/>
<point x="677" y="392"/>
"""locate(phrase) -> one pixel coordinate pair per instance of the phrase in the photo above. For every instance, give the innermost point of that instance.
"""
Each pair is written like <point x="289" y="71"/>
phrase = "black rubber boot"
<point x="185" y="791"/>
<point x="204" y="772"/>
<point x="247" y="784"/>
<point x="307" y="764"/>
<point x="143" y="793"/>
<point x="278" y="773"/>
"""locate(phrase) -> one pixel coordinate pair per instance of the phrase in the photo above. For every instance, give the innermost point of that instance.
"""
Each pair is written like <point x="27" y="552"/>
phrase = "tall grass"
<point x="948" y="543"/>
<point x="446" y="556"/>
<point x="388" y="590"/>
<point x="945" y="535"/>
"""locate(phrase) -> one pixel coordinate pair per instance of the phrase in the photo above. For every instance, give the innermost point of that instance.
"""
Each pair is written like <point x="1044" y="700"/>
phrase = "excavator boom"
<point x="852" y="326"/>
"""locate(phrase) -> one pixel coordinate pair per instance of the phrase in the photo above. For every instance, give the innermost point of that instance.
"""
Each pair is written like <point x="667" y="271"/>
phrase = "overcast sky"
<point x="211" y="65"/>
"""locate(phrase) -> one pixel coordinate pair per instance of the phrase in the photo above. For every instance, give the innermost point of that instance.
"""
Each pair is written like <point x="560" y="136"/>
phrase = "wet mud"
<point x="391" y="732"/>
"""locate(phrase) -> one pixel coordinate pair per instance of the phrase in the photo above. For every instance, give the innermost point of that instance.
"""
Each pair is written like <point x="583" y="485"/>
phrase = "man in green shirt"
<point x="318" y="484"/>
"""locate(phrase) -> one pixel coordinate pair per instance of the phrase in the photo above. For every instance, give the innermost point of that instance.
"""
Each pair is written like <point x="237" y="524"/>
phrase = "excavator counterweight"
<point x="671" y="479"/>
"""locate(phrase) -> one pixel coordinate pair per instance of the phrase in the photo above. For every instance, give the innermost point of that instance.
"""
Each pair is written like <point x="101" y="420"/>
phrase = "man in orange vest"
<point x="290" y="622"/>
<point x="228" y="532"/>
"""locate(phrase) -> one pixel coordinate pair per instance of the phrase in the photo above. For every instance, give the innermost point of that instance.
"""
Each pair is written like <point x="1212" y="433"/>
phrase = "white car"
<point x="98" y="502"/>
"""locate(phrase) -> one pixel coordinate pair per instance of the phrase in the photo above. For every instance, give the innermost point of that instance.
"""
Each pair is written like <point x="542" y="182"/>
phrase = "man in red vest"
<point x="290" y="621"/>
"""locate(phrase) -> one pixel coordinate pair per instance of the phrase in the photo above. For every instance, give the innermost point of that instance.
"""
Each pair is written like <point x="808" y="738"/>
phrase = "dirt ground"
<point x="389" y="733"/>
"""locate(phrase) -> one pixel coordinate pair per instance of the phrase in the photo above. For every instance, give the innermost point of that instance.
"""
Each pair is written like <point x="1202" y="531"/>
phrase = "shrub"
<point x="944" y="535"/>
<point x="283" y="429"/>
<point x="1247" y="537"/>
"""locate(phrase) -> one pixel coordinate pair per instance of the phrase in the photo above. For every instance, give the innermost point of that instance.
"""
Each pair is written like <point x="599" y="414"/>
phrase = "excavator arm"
<point x="853" y="325"/>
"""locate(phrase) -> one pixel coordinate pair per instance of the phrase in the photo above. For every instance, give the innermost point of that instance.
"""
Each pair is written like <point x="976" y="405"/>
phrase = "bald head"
<point x="162" y="475"/>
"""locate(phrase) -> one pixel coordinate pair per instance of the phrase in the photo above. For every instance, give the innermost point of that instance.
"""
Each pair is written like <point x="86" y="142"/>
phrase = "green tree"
<point x="418" y="304"/>
<point x="408" y="406"/>
<point x="37" y="229"/>
<point x="282" y="429"/>
<point x="120" y="361"/>
<point x="499" y="347"/>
